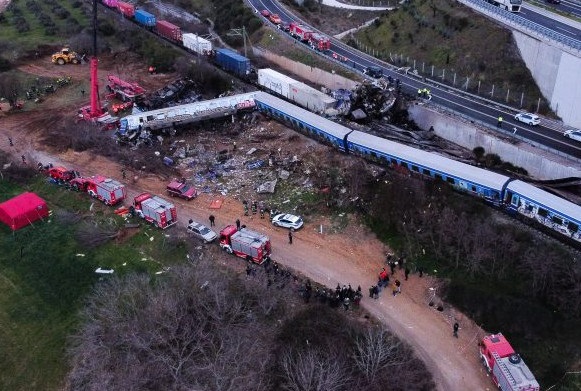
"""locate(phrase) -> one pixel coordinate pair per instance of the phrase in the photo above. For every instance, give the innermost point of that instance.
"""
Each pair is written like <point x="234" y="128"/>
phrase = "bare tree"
<point x="311" y="370"/>
<point x="377" y="350"/>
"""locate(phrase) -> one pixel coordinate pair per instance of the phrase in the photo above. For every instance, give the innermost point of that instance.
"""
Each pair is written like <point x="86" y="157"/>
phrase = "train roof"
<point x="302" y="115"/>
<point x="542" y="197"/>
<point x="168" y="113"/>
<point x="441" y="164"/>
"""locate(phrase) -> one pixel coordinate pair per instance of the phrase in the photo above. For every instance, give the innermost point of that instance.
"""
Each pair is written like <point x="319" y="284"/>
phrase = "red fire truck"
<point x="245" y="243"/>
<point x="104" y="189"/>
<point x="300" y="32"/>
<point x="60" y="174"/>
<point x="155" y="210"/>
<point x="320" y="42"/>
<point x="508" y="370"/>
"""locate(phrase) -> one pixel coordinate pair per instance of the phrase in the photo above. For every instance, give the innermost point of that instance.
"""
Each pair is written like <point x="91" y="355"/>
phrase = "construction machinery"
<point x="94" y="112"/>
<point x="124" y="90"/>
<point x="66" y="56"/>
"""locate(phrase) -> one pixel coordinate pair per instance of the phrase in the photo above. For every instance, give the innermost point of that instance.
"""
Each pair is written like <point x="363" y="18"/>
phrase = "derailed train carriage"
<point x="514" y="196"/>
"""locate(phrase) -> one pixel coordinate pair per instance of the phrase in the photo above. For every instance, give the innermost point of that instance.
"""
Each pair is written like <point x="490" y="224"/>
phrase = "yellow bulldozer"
<point x="66" y="56"/>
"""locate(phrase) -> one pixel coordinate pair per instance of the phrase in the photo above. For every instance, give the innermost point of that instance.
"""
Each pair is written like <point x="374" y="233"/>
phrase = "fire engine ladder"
<point x="503" y="368"/>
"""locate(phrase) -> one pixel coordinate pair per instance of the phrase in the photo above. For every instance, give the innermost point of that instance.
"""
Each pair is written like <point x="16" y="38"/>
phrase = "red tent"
<point x="22" y="210"/>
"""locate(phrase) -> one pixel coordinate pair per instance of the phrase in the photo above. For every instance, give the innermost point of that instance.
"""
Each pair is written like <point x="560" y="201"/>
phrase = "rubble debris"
<point x="267" y="187"/>
<point x="255" y="164"/>
<point x="284" y="174"/>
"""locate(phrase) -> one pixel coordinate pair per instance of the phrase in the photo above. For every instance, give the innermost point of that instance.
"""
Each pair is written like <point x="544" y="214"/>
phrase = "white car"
<point x="574" y="134"/>
<point x="201" y="231"/>
<point x="528" y="118"/>
<point x="286" y="220"/>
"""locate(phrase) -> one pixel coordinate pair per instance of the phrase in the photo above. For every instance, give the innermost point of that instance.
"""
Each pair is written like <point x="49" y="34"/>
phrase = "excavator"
<point x="66" y="56"/>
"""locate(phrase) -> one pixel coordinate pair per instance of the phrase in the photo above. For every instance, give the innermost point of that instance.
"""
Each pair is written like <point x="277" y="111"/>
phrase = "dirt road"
<point x="353" y="256"/>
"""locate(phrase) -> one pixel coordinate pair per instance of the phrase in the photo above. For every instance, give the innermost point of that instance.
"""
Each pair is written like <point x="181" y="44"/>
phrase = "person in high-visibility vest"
<point x="420" y="92"/>
<point x="499" y="123"/>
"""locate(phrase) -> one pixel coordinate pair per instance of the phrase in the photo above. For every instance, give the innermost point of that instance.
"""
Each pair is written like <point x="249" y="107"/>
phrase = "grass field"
<point x="44" y="275"/>
<point x="45" y="23"/>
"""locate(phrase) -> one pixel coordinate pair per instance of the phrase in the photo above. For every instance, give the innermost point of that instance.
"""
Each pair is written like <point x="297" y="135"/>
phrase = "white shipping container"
<point x="295" y="91"/>
<point x="196" y="43"/>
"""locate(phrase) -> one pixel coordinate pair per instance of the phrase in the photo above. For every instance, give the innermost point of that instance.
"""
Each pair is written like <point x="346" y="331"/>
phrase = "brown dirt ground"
<point x="352" y="256"/>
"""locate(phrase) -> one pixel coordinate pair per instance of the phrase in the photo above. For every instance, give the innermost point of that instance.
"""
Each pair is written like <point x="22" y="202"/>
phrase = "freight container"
<point x="196" y="43"/>
<point x="233" y="62"/>
<point x="128" y="10"/>
<point x="111" y="3"/>
<point x="295" y="91"/>
<point x="169" y="30"/>
<point x="145" y="18"/>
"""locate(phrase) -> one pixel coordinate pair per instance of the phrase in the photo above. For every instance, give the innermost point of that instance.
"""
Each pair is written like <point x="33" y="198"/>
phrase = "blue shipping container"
<point x="233" y="62"/>
<point x="144" y="18"/>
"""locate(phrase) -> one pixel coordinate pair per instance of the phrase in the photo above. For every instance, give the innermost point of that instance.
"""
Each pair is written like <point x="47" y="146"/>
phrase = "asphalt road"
<point x="479" y="110"/>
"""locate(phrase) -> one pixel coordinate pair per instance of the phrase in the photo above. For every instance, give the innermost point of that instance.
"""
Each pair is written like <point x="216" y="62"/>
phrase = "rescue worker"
<point x="499" y="123"/>
<point x="456" y="327"/>
<point x="420" y="92"/>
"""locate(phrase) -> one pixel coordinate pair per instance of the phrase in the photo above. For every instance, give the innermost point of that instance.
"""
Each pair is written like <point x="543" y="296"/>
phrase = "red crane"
<point x="95" y="112"/>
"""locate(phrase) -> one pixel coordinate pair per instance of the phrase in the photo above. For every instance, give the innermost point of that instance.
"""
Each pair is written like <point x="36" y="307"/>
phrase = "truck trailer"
<point x="196" y="44"/>
<point x="155" y="210"/>
<point x="295" y="91"/>
<point x="245" y="243"/>
<point x="233" y="62"/>
<point x="508" y="370"/>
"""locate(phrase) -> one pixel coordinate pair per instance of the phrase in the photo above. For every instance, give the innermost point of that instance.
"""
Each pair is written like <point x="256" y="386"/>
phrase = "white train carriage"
<point x="548" y="209"/>
<point x="473" y="180"/>
<point x="302" y="120"/>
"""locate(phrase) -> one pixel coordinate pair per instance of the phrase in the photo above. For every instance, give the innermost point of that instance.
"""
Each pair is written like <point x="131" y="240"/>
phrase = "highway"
<point x="476" y="108"/>
<point x="553" y="24"/>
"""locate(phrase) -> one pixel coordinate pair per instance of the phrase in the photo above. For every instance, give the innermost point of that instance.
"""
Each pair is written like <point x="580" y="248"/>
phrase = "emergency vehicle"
<point x="104" y="189"/>
<point x="155" y="210"/>
<point x="245" y="243"/>
<point x="507" y="369"/>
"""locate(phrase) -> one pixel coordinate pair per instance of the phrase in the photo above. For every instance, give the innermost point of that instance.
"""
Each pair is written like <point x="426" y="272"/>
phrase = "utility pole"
<point x="240" y="33"/>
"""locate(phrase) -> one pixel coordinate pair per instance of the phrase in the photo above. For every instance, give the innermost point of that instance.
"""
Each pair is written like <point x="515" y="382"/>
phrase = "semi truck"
<point x="509" y="5"/>
<point x="155" y="210"/>
<point x="233" y="62"/>
<point x="245" y="243"/>
<point x="508" y="370"/>
<point x="196" y="44"/>
<point x="104" y="189"/>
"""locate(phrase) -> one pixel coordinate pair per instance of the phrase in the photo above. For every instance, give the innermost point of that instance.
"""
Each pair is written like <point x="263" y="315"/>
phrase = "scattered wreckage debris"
<point x="180" y="91"/>
<point x="372" y="101"/>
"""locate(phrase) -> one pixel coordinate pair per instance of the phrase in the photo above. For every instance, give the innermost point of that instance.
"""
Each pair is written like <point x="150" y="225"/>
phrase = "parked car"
<point x="265" y="13"/>
<point x="286" y="220"/>
<point x="200" y="231"/>
<point x="181" y="189"/>
<point x="528" y="118"/>
<point x="274" y="18"/>
<point x="574" y="134"/>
